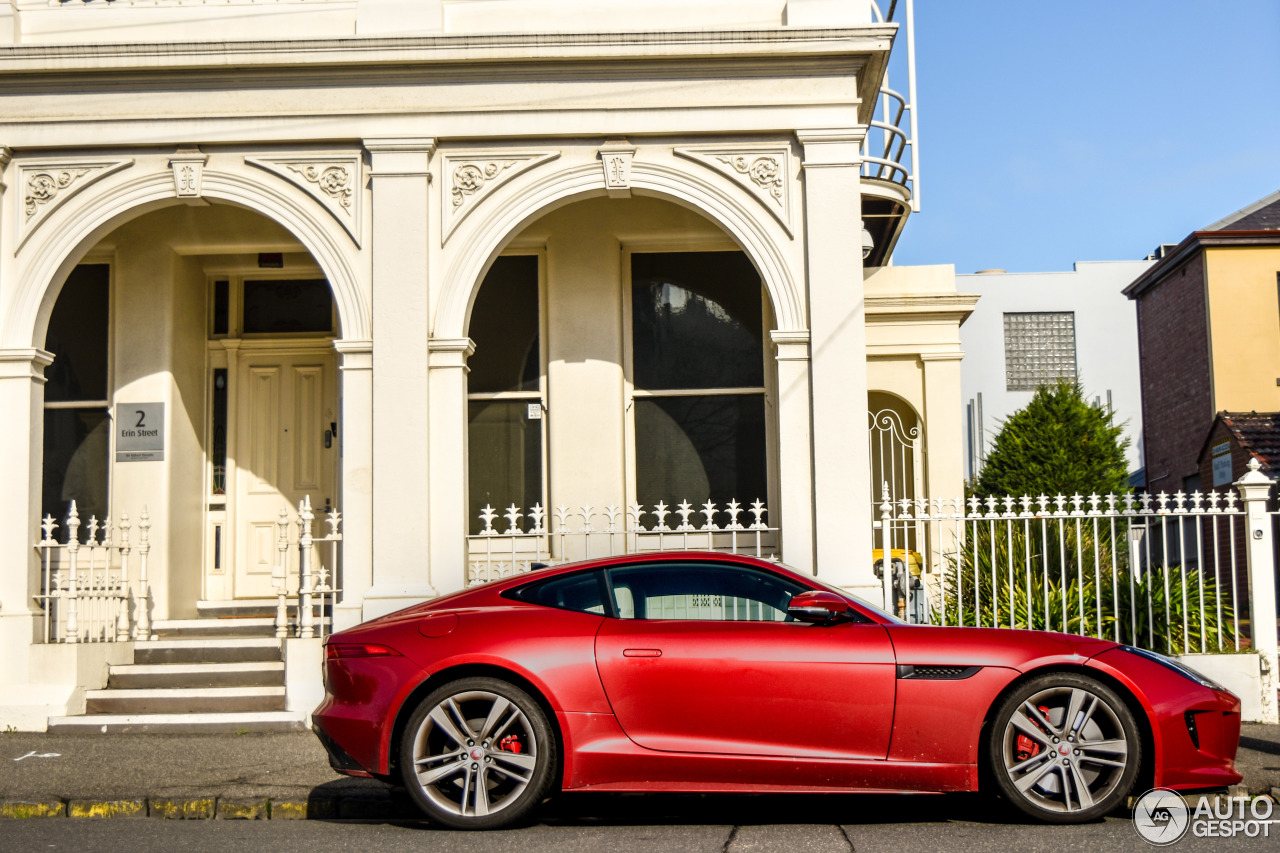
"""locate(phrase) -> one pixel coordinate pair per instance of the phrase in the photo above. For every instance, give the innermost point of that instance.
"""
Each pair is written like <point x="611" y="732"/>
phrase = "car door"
<point x="700" y="658"/>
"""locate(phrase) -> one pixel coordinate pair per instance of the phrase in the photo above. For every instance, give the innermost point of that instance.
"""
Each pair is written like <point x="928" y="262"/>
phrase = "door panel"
<point x="750" y="688"/>
<point x="285" y="401"/>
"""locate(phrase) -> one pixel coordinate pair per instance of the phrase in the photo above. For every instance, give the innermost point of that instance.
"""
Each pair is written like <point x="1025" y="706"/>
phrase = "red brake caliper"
<point x="511" y="743"/>
<point x="1026" y="746"/>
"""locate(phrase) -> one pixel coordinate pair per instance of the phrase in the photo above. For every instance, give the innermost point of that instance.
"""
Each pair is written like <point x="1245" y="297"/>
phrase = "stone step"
<point x="254" y="626"/>
<point x="207" y="650"/>
<point x="257" y="721"/>
<point x="230" y="626"/>
<point x="240" y="608"/>
<point x="185" y="700"/>
<point x="247" y="674"/>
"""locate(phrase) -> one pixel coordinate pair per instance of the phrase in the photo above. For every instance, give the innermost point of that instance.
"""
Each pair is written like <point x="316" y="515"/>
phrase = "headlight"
<point x="1170" y="663"/>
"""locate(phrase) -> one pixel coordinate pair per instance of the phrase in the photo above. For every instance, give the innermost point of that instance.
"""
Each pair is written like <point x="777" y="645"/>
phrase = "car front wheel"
<point x="478" y="753"/>
<point x="1065" y="748"/>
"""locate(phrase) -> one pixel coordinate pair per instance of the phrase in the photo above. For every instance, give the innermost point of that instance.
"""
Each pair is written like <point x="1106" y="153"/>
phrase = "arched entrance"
<point x="622" y="360"/>
<point x="194" y="373"/>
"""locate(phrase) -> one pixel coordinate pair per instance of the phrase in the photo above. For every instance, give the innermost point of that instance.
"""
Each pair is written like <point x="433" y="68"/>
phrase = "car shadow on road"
<point x="572" y="809"/>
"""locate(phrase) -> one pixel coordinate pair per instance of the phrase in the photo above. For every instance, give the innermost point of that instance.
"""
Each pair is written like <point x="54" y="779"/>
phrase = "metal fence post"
<point x="1255" y="489"/>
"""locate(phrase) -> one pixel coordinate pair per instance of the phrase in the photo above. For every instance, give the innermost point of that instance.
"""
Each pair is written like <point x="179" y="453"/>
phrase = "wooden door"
<point x="285" y="450"/>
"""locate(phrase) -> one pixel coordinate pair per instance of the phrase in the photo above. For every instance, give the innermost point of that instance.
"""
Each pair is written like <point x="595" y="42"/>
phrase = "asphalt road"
<point x="638" y="824"/>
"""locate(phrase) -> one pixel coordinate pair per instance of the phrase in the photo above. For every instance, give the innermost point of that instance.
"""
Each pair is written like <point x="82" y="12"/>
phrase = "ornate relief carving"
<point x="188" y="172"/>
<point x="616" y="156"/>
<point x="764" y="171"/>
<point x="46" y="186"/>
<point x="332" y="179"/>
<point x="472" y="175"/>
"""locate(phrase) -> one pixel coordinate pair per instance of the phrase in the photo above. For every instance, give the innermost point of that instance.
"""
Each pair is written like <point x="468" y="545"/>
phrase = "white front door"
<point x="285" y="449"/>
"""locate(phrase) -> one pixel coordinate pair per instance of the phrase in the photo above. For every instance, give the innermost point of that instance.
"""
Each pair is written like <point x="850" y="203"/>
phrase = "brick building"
<point x="1208" y="338"/>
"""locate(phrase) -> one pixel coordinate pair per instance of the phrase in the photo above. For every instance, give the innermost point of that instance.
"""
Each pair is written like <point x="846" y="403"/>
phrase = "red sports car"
<point x="717" y="673"/>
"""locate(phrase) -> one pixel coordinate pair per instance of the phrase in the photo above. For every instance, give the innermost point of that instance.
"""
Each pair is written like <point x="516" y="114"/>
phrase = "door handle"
<point x="642" y="653"/>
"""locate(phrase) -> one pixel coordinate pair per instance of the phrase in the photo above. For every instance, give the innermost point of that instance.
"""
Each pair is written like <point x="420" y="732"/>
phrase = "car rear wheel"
<point x="1065" y="748"/>
<point x="478" y="753"/>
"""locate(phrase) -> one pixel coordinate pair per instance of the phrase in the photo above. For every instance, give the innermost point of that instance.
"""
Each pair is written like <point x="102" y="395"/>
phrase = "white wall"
<point x="1106" y="343"/>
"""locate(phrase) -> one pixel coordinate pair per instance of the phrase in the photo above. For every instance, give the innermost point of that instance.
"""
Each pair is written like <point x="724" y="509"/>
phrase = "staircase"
<point x="221" y="672"/>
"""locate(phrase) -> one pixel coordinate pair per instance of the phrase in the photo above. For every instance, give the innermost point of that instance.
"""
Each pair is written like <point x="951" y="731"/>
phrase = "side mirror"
<point x="818" y="605"/>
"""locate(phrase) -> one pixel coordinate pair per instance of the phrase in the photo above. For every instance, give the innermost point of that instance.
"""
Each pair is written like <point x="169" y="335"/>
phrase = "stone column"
<point x="399" y="382"/>
<point x="942" y="424"/>
<point x="355" y="440"/>
<point x="795" y="450"/>
<point x="1255" y="489"/>
<point x="447" y="531"/>
<point x="21" y="449"/>
<point x="838" y="348"/>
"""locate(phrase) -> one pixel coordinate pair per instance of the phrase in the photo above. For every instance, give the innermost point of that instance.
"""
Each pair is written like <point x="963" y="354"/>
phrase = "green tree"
<point x="1059" y="444"/>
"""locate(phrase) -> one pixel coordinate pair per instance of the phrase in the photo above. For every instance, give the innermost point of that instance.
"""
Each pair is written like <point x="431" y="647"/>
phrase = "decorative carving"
<point x="470" y="178"/>
<point x="332" y="179"/>
<point x="616" y="158"/>
<point x="44" y="186"/>
<point x="473" y="175"/>
<point x="188" y="172"/>
<point x="764" y="171"/>
<point x="47" y="185"/>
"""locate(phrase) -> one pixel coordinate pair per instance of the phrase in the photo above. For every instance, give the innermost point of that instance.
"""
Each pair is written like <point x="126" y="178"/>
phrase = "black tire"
<point x="478" y="753"/>
<point x="1057" y="772"/>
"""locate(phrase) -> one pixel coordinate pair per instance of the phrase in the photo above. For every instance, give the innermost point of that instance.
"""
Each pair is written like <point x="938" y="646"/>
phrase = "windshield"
<point x="862" y="602"/>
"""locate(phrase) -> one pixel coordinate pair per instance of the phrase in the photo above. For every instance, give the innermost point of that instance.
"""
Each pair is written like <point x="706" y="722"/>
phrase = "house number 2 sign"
<point x="139" y="432"/>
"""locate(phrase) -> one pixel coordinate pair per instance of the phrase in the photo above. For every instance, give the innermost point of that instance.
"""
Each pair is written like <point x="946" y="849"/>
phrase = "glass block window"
<point x="1039" y="347"/>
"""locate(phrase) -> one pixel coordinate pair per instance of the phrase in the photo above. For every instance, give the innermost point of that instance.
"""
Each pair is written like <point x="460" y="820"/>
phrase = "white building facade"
<point x="1030" y="328"/>
<point x="418" y="262"/>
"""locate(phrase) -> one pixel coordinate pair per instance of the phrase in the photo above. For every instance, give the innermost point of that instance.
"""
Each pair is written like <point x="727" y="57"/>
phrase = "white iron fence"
<point x="311" y="582"/>
<point x="87" y="592"/>
<point x="1167" y="572"/>
<point x="587" y="531"/>
<point x="95" y="586"/>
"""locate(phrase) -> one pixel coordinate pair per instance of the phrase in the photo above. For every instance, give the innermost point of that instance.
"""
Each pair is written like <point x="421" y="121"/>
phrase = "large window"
<point x="77" y="430"/>
<point x="504" y="410"/>
<point x="697" y="344"/>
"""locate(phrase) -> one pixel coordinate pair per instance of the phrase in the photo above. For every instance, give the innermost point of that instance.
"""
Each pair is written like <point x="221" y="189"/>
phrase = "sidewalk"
<point x="260" y="776"/>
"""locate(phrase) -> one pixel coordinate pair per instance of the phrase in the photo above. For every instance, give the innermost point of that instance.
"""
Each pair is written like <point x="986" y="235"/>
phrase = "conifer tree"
<point x="1059" y="444"/>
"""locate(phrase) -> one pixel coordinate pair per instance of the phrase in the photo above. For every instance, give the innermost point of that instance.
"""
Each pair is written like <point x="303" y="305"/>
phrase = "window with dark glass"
<point x="504" y="408"/>
<point x="286" y="306"/>
<point x="581" y="591"/>
<point x="698" y="375"/>
<point x="77" y="429"/>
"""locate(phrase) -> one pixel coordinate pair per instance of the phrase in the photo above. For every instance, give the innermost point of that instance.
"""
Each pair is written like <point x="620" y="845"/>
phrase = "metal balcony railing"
<point x="891" y="151"/>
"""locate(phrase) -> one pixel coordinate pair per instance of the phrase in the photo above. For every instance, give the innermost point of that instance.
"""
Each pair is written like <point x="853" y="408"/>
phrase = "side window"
<point x="581" y="591"/>
<point x="701" y="592"/>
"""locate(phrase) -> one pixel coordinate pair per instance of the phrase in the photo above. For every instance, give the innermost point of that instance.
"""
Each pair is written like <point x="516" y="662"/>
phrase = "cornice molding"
<point x="471" y="47"/>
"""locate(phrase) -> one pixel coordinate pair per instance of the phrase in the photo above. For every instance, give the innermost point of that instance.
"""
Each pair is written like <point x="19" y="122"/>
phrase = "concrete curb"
<point x="215" y="808"/>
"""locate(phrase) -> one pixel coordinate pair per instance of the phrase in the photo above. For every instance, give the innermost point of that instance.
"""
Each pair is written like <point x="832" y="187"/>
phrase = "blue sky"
<point x="1060" y="131"/>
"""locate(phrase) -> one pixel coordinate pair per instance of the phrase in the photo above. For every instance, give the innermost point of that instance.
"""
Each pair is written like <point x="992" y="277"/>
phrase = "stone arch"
<point x="73" y="231"/>
<point x="732" y="211"/>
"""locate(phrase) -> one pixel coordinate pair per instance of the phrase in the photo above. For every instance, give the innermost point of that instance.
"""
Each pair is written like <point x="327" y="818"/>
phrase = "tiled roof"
<point x="1258" y="433"/>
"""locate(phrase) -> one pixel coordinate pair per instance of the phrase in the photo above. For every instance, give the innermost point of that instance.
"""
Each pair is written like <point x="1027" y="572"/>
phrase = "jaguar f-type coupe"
<point x="708" y="672"/>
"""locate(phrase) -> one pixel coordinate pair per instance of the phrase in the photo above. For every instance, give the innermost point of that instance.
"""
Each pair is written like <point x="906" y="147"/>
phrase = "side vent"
<point x="936" y="672"/>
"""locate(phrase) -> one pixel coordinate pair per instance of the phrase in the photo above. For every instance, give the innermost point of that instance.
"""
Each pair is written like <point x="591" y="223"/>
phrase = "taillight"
<point x="357" y="650"/>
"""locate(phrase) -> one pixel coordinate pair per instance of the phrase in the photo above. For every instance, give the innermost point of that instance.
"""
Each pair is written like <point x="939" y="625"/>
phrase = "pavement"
<point x="275" y="776"/>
